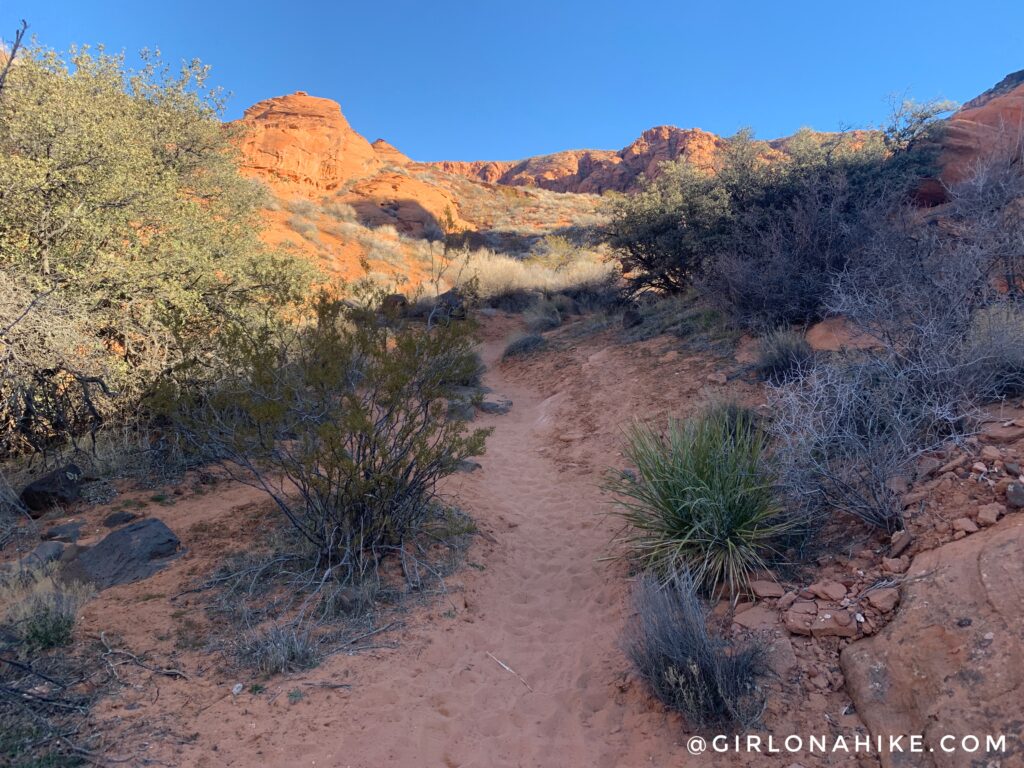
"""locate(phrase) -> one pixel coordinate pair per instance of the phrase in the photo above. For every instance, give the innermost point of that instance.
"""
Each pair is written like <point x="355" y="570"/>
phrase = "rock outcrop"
<point x="949" y="663"/>
<point x="594" y="170"/>
<point x="302" y="145"/>
<point x="129" y="554"/>
<point x="389" y="154"/>
<point x="987" y="126"/>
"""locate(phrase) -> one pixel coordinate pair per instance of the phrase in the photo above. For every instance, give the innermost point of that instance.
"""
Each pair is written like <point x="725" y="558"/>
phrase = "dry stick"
<point x="507" y="668"/>
<point x="133" y="659"/>
<point x="372" y="632"/>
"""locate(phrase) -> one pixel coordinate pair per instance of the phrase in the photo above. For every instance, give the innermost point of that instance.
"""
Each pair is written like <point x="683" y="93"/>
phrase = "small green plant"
<point x="782" y="354"/>
<point x="256" y="689"/>
<point x="525" y="345"/>
<point x="295" y="696"/>
<point x="702" y="499"/>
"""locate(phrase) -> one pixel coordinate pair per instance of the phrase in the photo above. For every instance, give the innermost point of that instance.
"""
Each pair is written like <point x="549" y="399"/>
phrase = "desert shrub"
<point x="121" y="252"/>
<point x="340" y="211"/>
<point x="993" y="350"/>
<point x="702" y="499"/>
<point x="302" y="208"/>
<point x="846" y="429"/>
<point x="304" y="227"/>
<point x="781" y="354"/>
<point x="524" y="345"/>
<point x="665" y="230"/>
<point x="711" y="681"/>
<point x="278" y="649"/>
<point x="555" y="252"/>
<point x="938" y="309"/>
<point x="542" y="316"/>
<point x="40" y="610"/>
<point x="342" y="422"/>
<point x="764" y="231"/>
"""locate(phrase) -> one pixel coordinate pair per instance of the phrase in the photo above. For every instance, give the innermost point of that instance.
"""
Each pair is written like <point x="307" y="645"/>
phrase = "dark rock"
<point x="1012" y="468"/>
<point x="461" y="409"/>
<point x="45" y="553"/>
<point x="1015" y="495"/>
<point x="465" y="465"/>
<point x="68" y="532"/>
<point x="62" y="486"/>
<point x="498" y="406"/>
<point x="129" y="554"/>
<point x="115" y="519"/>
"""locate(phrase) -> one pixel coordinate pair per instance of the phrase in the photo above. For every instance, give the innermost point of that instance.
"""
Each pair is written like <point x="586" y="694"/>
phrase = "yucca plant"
<point x="703" y="499"/>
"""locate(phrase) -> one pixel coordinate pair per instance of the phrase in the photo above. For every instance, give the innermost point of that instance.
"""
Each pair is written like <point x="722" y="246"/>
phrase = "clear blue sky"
<point x="505" y="79"/>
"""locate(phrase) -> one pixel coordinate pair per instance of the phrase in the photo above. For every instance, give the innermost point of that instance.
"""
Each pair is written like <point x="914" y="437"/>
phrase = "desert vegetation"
<point x="142" y="315"/>
<point x="297" y="413"/>
<point x="776" y="238"/>
<point x="702" y="499"/>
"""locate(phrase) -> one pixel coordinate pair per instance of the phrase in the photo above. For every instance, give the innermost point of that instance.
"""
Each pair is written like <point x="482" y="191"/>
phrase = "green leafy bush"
<point x="765" y="230"/>
<point x="342" y="422"/>
<point x="702" y="499"/>
<point x="127" y="238"/>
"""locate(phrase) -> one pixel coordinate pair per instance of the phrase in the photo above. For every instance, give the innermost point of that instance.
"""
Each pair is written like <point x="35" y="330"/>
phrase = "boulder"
<point x="1015" y="495"/>
<point x="496" y="405"/>
<point x="828" y="590"/>
<point x="129" y="554"/>
<point x="764" y="588"/>
<point x="68" y="533"/>
<point x="62" y="486"/>
<point x="949" y="662"/>
<point x="121" y="517"/>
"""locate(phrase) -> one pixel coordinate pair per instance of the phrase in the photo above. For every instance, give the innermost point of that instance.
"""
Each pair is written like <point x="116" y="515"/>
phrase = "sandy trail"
<point x="543" y="602"/>
<point x="537" y="593"/>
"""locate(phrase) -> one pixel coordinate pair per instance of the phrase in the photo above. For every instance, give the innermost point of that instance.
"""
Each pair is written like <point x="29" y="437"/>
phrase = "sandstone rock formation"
<point x="389" y="154"/>
<point x="985" y="127"/>
<point x="302" y="145"/>
<point x="950" y="661"/>
<point x="597" y="171"/>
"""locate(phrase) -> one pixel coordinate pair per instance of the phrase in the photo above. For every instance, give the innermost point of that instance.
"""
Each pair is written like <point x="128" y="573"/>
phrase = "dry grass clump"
<point x="39" y="610"/>
<point x="279" y="649"/>
<point x="713" y="682"/>
<point x="782" y="354"/>
<point x="498" y="275"/>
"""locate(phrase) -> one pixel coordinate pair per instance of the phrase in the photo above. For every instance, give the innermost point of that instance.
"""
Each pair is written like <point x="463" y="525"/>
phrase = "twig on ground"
<point x="507" y="668"/>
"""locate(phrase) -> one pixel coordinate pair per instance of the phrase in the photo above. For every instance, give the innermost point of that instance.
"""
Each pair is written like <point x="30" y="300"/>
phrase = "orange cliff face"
<point x="597" y="171"/>
<point x="351" y="207"/>
<point x="986" y="127"/>
<point x="302" y="145"/>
